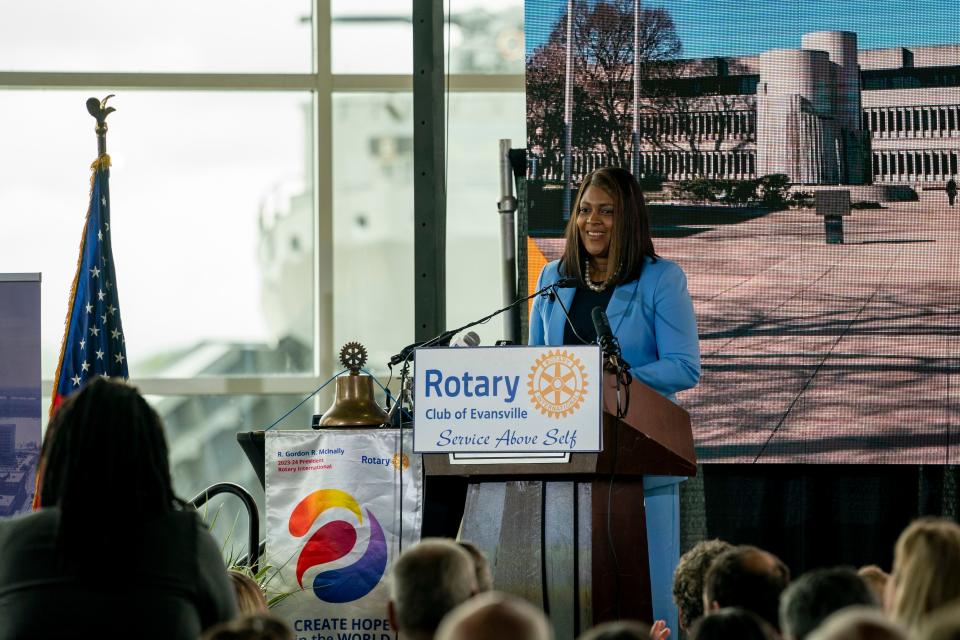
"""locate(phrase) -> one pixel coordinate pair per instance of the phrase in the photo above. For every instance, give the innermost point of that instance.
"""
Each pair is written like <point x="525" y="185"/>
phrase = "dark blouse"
<point x="584" y="301"/>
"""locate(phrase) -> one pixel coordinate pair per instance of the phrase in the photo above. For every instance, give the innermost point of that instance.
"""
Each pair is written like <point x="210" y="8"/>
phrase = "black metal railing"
<point x="252" y="559"/>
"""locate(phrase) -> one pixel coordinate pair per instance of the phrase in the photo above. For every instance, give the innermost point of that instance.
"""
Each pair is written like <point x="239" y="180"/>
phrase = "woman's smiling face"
<point x="595" y="221"/>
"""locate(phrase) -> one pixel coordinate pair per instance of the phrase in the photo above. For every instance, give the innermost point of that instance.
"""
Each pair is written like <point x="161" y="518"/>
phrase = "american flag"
<point x="93" y="342"/>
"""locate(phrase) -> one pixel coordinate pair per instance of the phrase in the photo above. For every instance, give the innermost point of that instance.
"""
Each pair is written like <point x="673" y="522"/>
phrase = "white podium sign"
<point x="507" y="400"/>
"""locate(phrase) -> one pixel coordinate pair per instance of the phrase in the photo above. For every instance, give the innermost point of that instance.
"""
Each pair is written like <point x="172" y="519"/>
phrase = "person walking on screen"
<point x="610" y="252"/>
<point x="952" y="190"/>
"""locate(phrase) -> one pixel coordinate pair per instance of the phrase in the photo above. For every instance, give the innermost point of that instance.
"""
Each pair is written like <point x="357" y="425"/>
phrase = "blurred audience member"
<point x="250" y="598"/>
<point x="495" y="616"/>
<point x="876" y="578"/>
<point x="858" y="623"/>
<point x="942" y="624"/>
<point x="688" y="579"/>
<point x="732" y="623"/>
<point x="926" y="570"/>
<point x="261" y="626"/>
<point x="815" y="595"/>
<point x="749" y="578"/>
<point x="112" y="552"/>
<point x="428" y="581"/>
<point x="620" y="630"/>
<point x="481" y="566"/>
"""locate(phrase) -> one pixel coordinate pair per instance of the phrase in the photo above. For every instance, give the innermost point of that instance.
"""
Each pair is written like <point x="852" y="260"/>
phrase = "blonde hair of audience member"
<point x="858" y="623"/>
<point x="428" y="581"/>
<point x="942" y="624"/>
<point x="250" y="598"/>
<point x="926" y="570"/>
<point x="261" y="626"/>
<point x="876" y="578"/>
<point x="495" y="616"/>
<point x="618" y="630"/>
<point x="480" y="565"/>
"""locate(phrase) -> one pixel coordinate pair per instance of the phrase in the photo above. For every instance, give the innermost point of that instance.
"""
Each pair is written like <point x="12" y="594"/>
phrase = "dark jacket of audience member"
<point x="688" y="579"/>
<point x="112" y="552"/>
<point x="749" y="578"/>
<point x="732" y="623"/>
<point x="815" y="595"/>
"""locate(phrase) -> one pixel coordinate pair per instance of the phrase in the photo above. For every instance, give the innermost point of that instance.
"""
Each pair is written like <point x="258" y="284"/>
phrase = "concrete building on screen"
<point x="826" y="113"/>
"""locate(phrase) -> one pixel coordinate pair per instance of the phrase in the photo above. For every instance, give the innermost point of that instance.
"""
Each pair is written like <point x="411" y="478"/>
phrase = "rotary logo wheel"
<point x="400" y="463"/>
<point x="557" y="384"/>
<point x="353" y="356"/>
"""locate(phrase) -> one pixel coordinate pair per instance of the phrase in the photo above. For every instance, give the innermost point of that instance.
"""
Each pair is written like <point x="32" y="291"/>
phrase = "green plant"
<point x="773" y="189"/>
<point x="266" y="572"/>
<point x="743" y="191"/>
<point x="801" y="199"/>
<point x="265" y="576"/>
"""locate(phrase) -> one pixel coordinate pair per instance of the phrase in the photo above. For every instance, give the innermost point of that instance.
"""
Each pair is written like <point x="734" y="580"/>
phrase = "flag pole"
<point x="93" y="289"/>
<point x="99" y="110"/>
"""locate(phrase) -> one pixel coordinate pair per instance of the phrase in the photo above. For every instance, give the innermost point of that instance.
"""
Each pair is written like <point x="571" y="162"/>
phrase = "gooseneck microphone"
<point x="605" y="338"/>
<point x="613" y="359"/>
<point x="562" y="283"/>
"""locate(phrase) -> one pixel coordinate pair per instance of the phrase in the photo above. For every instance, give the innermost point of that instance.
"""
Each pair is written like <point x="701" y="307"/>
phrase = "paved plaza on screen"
<point x="816" y="352"/>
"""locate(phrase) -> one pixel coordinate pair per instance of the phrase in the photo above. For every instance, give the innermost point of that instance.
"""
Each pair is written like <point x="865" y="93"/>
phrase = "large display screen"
<point x="799" y="161"/>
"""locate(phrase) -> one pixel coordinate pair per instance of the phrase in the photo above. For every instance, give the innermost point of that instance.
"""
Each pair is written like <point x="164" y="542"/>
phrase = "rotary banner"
<point x="340" y="507"/>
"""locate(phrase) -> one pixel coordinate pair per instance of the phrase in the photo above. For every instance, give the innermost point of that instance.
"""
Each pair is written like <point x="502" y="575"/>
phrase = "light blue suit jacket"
<point x="652" y="317"/>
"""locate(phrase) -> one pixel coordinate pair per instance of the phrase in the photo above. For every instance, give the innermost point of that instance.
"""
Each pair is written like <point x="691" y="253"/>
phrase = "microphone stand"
<point x="407" y="352"/>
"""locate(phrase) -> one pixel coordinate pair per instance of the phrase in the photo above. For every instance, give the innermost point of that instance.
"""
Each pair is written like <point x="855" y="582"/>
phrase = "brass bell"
<point x="354" y="404"/>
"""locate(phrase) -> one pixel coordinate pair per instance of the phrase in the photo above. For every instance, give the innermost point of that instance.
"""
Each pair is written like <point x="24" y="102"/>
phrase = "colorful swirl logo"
<point x="334" y="540"/>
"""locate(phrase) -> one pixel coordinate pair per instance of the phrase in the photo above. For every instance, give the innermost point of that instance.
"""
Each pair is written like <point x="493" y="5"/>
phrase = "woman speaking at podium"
<point x="610" y="253"/>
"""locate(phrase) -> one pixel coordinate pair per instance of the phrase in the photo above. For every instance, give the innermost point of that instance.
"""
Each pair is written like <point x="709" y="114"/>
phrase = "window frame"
<point x="322" y="84"/>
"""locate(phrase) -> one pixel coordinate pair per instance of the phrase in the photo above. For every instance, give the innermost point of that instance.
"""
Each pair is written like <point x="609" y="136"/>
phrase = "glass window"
<point x="183" y="36"/>
<point x="202" y="438"/>
<point x="212" y="223"/>
<point x="474" y="258"/>
<point x="486" y="36"/>
<point x="373" y="223"/>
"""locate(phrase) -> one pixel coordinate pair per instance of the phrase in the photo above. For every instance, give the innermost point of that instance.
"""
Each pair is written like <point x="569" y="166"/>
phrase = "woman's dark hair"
<point x="104" y="454"/>
<point x="630" y="242"/>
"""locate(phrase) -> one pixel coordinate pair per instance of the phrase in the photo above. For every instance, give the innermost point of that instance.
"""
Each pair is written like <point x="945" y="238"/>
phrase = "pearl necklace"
<point x="599" y="288"/>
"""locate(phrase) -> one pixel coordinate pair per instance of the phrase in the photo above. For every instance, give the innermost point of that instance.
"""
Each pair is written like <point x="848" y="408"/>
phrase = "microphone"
<point x="604" y="333"/>
<point x="469" y="339"/>
<point x="563" y="283"/>
<point x="608" y="342"/>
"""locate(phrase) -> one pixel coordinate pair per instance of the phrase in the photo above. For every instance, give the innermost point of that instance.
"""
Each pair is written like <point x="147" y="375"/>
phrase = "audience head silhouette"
<point x="104" y="448"/>
<point x="428" y="581"/>
<point x="480" y="565"/>
<point x="689" y="576"/>
<point x="749" y="578"/>
<point x="495" y="616"/>
<point x="620" y="630"/>
<point x="858" y="623"/>
<point x="815" y="595"/>
<point x="732" y="622"/>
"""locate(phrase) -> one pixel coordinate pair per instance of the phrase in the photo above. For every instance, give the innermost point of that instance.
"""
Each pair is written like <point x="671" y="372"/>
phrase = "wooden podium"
<point x="553" y="532"/>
